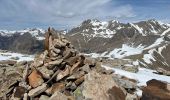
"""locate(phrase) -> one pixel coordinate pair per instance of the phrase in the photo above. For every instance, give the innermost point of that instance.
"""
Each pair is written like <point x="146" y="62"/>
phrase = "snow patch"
<point x="142" y="76"/>
<point x="22" y="57"/>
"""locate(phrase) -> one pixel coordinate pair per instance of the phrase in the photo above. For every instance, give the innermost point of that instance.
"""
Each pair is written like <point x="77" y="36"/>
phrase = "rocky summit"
<point x="60" y="72"/>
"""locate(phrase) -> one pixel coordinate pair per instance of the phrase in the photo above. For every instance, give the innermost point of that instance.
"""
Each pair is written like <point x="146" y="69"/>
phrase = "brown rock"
<point x="79" y="80"/>
<point x="35" y="79"/>
<point x="155" y="90"/>
<point x="57" y="87"/>
<point x="159" y="84"/>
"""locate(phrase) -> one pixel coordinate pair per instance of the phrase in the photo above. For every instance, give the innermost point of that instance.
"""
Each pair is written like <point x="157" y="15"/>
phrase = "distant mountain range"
<point x="144" y="42"/>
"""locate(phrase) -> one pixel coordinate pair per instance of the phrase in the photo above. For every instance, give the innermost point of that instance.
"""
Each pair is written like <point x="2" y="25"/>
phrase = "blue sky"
<point x="61" y="14"/>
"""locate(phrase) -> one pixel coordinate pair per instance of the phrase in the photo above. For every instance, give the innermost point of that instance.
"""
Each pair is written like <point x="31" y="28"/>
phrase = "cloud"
<point x="60" y="12"/>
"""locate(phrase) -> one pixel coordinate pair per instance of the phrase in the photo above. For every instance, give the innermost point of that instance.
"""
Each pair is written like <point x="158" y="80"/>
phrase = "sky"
<point x="65" y="14"/>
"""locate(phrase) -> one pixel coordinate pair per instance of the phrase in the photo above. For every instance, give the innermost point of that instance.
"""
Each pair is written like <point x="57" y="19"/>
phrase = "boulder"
<point x="107" y="89"/>
<point x="156" y="90"/>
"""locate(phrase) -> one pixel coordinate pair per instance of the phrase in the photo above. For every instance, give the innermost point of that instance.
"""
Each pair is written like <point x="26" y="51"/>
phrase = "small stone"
<point x="43" y="97"/>
<point x="56" y="62"/>
<point x="79" y="80"/>
<point x="35" y="79"/>
<point x="71" y="86"/>
<point x="36" y="91"/>
<point x="25" y="96"/>
<point x="19" y="92"/>
<point x="46" y="73"/>
<point x="58" y="96"/>
<point x="72" y="60"/>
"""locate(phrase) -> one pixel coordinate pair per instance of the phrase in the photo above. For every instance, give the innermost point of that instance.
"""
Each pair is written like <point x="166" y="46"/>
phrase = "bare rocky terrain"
<point x="61" y="72"/>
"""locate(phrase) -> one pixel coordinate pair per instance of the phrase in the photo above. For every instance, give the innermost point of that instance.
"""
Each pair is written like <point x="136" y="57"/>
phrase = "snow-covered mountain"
<point x="36" y="32"/>
<point x="144" y="42"/>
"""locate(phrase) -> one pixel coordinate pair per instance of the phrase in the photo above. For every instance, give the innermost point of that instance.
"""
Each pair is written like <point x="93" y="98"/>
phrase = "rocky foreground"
<point x="62" y="73"/>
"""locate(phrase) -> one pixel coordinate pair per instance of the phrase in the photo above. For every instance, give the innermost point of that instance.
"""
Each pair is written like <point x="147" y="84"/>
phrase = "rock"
<point x="19" y="92"/>
<point x="159" y="84"/>
<point x="128" y="85"/>
<point x="67" y="53"/>
<point x="57" y="87"/>
<point x="58" y="96"/>
<point x="90" y="61"/>
<point x="58" y="43"/>
<point x="72" y="60"/>
<point x="9" y="78"/>
<point x="71" y="86"/>
<point x="25" y="96"/>
<point x="56" y="50"/>
<point x="77" y="65"/>
<point x="130" y="68"/>
<point x="131" y="97"/>
<point x="155" y="90"/>
<point x="163" y="72"/>
<point x="39" y="61"/>
<point x="25" y="73"/>
<point x="63" y="73"/>
<point x="76" y="75"/>
<point x="53" y="63"/>
<point x="14" y="58"/>
<point x="36" y="91"/>
<point x="35" y="79"/>
<point x="21" y="63"/>
<point x="43" y="97"/>
<point x="46" y="73"/>
<point x="107" y="89"/>
<point x="79" y="80"/>
<point x="8" y="62"/>
<point x="86" y="68"/>
<point x="78" y="93"/>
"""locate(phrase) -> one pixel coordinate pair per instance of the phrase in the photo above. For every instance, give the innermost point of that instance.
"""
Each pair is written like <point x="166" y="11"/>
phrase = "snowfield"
<point x="21" y="57"/>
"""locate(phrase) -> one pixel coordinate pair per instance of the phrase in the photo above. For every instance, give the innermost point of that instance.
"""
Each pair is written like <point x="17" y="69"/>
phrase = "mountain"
<point x="146" y="42"/>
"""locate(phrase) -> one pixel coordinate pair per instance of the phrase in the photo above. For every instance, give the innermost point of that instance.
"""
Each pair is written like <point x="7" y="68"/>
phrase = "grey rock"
<point x="36" y="91"/>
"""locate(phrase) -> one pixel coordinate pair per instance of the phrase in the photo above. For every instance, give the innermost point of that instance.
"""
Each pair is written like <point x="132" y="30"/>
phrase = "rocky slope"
<point x="60" y="72"/>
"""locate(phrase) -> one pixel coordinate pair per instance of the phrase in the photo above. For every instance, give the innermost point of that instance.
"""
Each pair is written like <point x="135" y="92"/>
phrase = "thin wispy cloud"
<point x="68" y="13"/>
<point x="60" y="12"/>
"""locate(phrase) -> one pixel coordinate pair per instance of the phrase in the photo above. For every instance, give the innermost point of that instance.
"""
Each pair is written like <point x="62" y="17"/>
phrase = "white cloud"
<point x="62" y="12"/>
